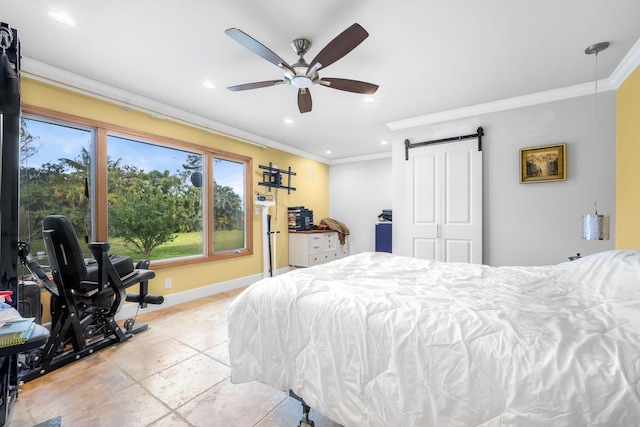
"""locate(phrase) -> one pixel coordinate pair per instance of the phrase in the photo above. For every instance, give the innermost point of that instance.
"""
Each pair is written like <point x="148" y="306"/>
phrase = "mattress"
<point x="377" y="339"/>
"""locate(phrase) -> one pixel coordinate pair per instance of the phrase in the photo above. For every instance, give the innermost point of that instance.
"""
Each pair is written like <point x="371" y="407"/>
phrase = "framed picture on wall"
<point x="543" y="164"/>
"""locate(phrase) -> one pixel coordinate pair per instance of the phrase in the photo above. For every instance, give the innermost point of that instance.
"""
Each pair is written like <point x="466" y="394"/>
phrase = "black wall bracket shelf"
<point x="272" y="177"/>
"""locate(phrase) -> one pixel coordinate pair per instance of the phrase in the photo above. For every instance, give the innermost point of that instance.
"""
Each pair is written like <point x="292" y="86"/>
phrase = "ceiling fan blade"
<point x="304" y="100"/>
<point x="344" y="43"/>
<point x="255" y="85"/>
<point x="258" y="48"/>
<point x="354" y="86"/>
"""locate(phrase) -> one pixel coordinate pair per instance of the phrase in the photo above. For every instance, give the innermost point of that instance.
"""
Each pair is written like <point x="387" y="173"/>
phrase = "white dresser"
<point x="307" y="248"/>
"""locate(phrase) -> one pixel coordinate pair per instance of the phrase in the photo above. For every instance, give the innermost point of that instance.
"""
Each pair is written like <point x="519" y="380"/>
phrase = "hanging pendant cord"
<point x="595" y="148"/>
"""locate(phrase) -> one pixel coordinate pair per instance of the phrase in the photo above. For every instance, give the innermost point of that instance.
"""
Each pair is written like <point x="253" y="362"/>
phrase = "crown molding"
<point x="501" y="105"/>
<point x="627" y="66"/>
<point x="361" y="158"/>
<point x="629" y="63"/>
<point x="48" y="74"/>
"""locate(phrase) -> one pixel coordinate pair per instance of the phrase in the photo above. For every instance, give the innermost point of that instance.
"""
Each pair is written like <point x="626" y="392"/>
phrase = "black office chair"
<point x="85" y="297"/>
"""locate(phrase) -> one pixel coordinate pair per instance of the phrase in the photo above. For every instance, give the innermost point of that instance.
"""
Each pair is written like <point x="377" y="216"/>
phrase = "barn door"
<point x="441" y="216"/>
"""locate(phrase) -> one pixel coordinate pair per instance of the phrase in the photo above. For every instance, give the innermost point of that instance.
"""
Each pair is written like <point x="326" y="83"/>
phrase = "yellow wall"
<point x="627" y="163"/>
<point x="311" y="181"/>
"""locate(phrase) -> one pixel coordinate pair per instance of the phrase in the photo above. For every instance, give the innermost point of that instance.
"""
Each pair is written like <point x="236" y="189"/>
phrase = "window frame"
<point x="100" y="185"/>
<point x="248" y="165"/>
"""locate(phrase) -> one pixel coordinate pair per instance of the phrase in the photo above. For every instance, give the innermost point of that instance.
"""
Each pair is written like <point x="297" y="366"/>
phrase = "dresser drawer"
<point x="333" y="255"/>
<point x="315" y="243"/>
<point x="331" y="241"/>
<point x="342" y="251"/>
<point x="321" y="258"/>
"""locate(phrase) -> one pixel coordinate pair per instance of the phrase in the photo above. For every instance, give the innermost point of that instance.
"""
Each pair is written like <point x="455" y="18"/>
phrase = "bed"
<point x="377" y="339"/>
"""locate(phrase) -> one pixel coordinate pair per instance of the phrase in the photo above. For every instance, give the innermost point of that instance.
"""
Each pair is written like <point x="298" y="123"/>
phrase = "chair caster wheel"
<point x="128" y="324"/>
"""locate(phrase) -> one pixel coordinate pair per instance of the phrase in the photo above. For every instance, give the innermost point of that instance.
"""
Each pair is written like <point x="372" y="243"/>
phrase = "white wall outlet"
<point x="257" y="211"/>
<point x="167" y="283"/>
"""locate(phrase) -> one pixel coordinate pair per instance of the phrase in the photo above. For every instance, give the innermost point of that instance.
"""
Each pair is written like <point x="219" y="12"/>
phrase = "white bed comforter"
<point x="377" y="339"/>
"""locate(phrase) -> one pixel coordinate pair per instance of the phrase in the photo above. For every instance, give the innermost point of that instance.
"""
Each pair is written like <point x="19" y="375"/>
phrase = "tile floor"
<point x="165" y="376"/>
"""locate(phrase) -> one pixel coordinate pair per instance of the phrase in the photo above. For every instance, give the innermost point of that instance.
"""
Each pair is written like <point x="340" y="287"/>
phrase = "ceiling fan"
<point x="302" y="75"/>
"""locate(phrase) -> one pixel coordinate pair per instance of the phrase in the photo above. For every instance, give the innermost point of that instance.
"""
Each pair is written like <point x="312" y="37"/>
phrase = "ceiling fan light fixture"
<point x="301" y="82"/>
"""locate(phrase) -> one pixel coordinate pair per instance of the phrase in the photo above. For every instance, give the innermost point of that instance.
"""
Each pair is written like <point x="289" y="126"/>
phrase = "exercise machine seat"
<point x="86" y="294"/>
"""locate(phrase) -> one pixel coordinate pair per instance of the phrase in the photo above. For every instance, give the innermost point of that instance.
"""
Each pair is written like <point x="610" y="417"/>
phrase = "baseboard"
<point x="129" y="310"/>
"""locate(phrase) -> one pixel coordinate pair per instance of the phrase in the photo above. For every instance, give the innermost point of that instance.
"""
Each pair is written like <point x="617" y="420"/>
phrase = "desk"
<point x="9" y="378"/>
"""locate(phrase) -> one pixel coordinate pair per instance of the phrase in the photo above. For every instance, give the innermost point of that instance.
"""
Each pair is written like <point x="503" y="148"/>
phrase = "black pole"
<point x="9" y="172"/>
<point x="9" y="204"/>
<point x="269" y="243"/>
<point x="9" y="180"/>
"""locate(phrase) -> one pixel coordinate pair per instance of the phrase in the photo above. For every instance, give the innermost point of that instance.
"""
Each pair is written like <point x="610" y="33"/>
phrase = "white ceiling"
<point x="428" y="56"/>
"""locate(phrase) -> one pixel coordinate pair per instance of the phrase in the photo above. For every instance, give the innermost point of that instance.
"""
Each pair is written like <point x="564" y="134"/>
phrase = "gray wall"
<point x="524" y="224"/>
<point x="357" y="194"/>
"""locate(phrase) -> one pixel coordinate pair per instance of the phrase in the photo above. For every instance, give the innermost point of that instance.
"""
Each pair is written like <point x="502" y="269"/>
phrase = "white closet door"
<point x="440" y="217"/>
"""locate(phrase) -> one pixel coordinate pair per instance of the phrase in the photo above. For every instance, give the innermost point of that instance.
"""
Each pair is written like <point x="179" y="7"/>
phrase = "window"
<point x="55" y="179"/>
<point x="155" y="208"/>
<point x="228" y="205"/>
<point x="149" y="196"/>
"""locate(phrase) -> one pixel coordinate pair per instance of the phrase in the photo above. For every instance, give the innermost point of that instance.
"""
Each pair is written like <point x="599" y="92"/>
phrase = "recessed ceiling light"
<point x="208" y="84"/>
<point x="384" y="142"/>
<point x="369" y="99"/>
<point x="62" y="18"/>
<point x="327" y="152"/>
<point x="288" y="121"/>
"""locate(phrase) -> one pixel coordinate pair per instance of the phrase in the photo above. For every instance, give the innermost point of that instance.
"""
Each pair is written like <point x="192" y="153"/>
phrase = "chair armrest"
<point x="87" y="288"/>
<point x="101" y="246"/>
<point x="137" y="276"/>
